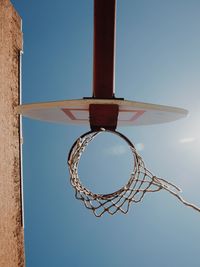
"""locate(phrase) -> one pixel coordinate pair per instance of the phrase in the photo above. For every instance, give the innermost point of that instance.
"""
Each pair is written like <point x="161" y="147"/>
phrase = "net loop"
<point x="141" y="181"/>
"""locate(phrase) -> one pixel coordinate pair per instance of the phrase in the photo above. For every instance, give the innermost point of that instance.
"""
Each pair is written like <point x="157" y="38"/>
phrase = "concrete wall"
<point x="11" y="230"/>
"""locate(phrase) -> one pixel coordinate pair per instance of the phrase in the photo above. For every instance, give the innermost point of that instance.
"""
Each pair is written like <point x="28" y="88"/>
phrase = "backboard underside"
<point x="77" y="112"/>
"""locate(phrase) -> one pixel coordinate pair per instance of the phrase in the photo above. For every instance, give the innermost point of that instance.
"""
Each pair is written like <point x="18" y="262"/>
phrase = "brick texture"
<point x="11" y="230"/>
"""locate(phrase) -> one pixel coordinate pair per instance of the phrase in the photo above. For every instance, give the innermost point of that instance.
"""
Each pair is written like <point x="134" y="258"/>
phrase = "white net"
<point x="141" y="181"/>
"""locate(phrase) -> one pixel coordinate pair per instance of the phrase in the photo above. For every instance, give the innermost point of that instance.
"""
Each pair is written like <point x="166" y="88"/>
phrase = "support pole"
<point x="104" y="116"/>
<point x="104" y="48"/>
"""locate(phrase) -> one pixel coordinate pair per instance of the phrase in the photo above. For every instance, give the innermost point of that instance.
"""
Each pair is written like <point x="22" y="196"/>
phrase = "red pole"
<point x="104" y="48"/>
<point x="106" y="115"/>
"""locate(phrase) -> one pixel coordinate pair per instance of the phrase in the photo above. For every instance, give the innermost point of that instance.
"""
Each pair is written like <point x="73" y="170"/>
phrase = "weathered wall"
<point x="11" y="230"/>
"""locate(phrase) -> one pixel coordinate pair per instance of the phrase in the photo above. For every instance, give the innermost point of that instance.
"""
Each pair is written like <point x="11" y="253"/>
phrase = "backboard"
<point x="77" y="112"/>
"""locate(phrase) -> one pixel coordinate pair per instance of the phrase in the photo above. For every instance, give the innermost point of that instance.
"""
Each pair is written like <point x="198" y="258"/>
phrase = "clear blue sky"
<point x="157" y="61"/>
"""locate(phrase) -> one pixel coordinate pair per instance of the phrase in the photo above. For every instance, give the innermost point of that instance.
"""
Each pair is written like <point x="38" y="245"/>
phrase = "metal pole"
<point x="104" y="48"/>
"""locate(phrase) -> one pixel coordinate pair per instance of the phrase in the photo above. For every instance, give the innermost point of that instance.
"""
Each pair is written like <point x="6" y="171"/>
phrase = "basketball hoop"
<point x="104" y="112"/>
<point x="140" y="182"/>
